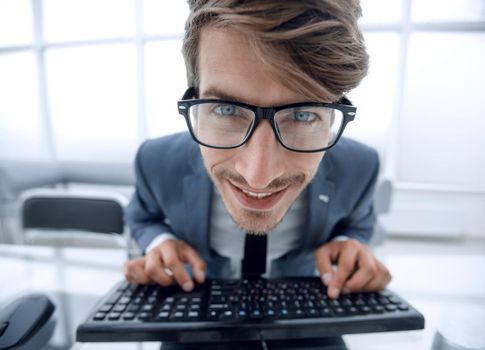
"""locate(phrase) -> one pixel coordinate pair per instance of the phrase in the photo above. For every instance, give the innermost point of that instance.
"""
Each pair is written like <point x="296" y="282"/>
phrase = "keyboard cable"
<point x="263" y="342"/>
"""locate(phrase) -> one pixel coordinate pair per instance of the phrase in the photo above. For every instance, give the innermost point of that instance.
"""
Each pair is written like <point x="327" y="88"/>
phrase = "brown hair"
<point x="313" y="47"/>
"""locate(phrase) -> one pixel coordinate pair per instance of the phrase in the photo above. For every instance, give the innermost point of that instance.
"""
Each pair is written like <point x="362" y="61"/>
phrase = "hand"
<point x="357" y="268"/>
<point x="164" y="265"/>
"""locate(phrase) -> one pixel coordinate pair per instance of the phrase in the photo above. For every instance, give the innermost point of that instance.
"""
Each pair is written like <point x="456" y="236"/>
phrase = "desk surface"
<point x="448" y="289"/>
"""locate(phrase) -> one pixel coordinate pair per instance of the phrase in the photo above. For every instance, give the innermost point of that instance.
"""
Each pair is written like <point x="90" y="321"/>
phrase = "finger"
<point x="345" y="267"/>
<point x="190" y="256"/>
<point x="134" y="271"/>
<point x="366" y="270"/>
<point x="380" y="281"/>
<point x="323" y="262"/>
<point x="154" y="268"/>
<point x="171" y="260"/>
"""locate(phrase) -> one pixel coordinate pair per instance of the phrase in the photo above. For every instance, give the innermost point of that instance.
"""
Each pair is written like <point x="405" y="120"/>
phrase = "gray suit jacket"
<point x="174" y="194"/>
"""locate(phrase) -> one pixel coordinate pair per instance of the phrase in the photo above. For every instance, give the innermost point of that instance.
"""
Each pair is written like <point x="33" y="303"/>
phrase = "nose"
<point x="261" y="158"/>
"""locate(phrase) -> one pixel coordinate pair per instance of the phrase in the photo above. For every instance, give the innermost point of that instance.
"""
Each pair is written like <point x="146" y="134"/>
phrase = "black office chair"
<point x="61" y="217"/>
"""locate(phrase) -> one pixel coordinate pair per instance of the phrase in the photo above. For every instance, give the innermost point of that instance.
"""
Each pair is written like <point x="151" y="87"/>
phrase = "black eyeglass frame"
<point x="268" y="113"/>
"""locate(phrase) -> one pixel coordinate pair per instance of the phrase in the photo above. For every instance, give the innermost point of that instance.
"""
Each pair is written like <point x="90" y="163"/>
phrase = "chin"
<point x="255" y="221"/>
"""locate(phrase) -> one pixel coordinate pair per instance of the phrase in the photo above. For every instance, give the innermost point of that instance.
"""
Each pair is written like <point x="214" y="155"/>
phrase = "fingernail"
<point x="346" y="291"/>
<point x="333" y="292"/>
<point x="187" y="286"/>
<point x="199" y="274"/>
<point x="326" y="278"/>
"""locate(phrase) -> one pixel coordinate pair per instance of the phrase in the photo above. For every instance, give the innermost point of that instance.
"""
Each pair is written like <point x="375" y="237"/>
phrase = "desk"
<point x="448" y="289"/>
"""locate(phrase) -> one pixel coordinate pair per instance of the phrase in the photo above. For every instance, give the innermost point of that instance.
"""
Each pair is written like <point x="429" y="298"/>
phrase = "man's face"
<point x="260" y="180"/>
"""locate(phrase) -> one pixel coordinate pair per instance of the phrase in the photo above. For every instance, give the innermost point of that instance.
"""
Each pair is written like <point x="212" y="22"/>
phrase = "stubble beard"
<point x="258" y="222"/>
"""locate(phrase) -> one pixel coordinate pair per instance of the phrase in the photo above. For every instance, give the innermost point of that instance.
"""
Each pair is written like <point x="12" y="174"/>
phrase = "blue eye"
<point x="226" y="110"/>
<point x="304" y="116"/>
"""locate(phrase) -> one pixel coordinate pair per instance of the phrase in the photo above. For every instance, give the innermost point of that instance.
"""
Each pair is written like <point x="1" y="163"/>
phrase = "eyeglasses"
<point x="300" y="127"/>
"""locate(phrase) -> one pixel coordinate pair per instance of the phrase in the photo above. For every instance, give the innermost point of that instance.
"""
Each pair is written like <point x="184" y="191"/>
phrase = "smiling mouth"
<point x="258" y="195"/>
<point x="257" y="200"/>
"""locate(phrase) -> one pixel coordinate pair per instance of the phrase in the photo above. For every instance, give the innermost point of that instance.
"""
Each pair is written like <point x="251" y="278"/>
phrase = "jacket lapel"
<point x="197" y="195"/>
<point x="319" y="198"/>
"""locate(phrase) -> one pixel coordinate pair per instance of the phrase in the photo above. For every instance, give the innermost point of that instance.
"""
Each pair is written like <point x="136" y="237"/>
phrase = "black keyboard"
<point x="247" y="309"/>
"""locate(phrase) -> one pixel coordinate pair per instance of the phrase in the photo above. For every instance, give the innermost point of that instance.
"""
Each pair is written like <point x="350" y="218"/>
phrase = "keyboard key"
<point x="326" y="312"/>
<point x="143" y="316"/>
<point x="391" y="307"/>
<point x="353" y="311"/>
<point x="99" y="316"/>
<point x="113" y="298"/>
<point x="163" y="316"/>
<point x="124" y="300"/>
<point x="214" y="315"/>
<point x="365" y="309"/>
<point x="119" y="308"/>
<point x="114" y="316"/>
<point x="133" y="308"/>
<point x="312" y="312"/>
<point x="339" y="311"/>
<point x="128" y="316"/>
<point x="270" y="313"/>
<point x="147" y="308"/>
<point x="177" y="316"/>
<point x="284" y="313"/>
<point x="256" y="314"/>
<point x="105" y="308"/>
<point x="378" y="309"/>
<point x="193" y="314"/>
<point x="228" y="314"/>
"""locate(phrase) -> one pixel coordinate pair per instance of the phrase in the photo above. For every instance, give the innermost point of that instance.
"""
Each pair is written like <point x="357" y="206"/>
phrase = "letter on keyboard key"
<point x="228" y="315"/>
<point x="105" y="308"/>
<point x="129" y="316"/>
<point x="162" y="316"/>
<point x="326" y="312"/>
<point x="339" y="311"/>
<point x="177" y="316"/>
<point x="114" y="316"/>
<point x="193" y="315"/>
<point x="312" y="312"/>
<point x="143" y="316"/>
<point x="378" y="309"/>
<point x="284" y="313"/>
<point x="119" y="308"/>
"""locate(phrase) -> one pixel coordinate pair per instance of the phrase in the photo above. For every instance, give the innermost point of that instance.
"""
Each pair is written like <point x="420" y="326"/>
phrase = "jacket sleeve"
<point x="360" y="222"/>
<point x="144" y="216"/>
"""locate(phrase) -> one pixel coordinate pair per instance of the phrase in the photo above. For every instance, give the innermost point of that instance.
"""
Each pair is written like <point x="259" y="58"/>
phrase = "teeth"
<point x="256" y="195"/>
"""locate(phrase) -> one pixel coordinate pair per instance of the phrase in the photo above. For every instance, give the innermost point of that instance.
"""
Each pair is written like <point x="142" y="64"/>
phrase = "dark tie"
<point x="254" y="260"/>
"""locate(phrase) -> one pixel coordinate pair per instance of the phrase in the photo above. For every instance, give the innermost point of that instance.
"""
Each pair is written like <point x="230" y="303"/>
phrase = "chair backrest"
<point x="84" y="214"/>
<point x="73" y="217"/>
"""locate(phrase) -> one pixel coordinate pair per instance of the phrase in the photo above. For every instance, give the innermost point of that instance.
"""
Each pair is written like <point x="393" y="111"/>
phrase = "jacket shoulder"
<point x="173" y="152"/>
<point x="353" y="156"/>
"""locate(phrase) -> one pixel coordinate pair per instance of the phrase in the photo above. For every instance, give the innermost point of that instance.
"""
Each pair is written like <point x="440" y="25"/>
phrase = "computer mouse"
<point x="22" y="319"/>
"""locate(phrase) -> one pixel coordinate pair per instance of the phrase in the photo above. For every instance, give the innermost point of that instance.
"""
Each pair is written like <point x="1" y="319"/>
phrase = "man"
<point x="266" y="106"/>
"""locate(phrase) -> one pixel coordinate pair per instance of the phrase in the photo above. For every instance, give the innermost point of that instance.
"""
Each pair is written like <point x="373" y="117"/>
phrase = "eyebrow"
<point x="213" y="92"/>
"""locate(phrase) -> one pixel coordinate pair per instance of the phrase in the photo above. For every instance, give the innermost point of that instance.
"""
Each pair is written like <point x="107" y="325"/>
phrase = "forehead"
<point x="228" y="63"/>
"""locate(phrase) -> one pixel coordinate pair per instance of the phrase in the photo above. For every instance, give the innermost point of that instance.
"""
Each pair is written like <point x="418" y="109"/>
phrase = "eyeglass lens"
<point x="302" y="128"/>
